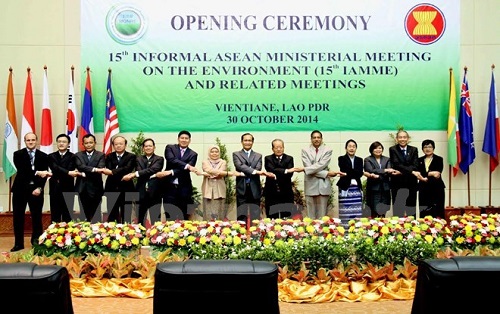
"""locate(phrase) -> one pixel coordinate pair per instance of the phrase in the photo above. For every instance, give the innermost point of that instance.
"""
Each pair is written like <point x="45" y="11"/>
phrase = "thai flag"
<point x="87" y="125"/>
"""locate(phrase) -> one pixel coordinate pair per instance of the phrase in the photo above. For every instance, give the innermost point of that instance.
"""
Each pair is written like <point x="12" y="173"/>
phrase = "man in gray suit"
<point x="248" y="188"/>
<point x="317" y="183"/>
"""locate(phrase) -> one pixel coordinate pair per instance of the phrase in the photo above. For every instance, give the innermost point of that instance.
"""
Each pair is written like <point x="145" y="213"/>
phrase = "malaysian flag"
<point x="111" y="125"/>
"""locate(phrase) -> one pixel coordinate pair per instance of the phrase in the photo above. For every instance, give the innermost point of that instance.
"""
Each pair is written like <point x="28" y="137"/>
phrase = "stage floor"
<point x="139" y="306"/>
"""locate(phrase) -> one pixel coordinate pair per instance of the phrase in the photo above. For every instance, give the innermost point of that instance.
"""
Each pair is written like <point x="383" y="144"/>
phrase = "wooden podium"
<point x="7" y="226"/>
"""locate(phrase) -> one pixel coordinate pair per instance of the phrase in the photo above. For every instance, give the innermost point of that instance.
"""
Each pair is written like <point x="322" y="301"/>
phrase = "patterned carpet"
<point x="145" y="306"/>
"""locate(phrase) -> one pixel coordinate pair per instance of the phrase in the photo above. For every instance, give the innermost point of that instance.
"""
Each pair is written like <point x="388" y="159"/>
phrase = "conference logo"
<point x="425" y="24"/>
<point x="125" y="24"/>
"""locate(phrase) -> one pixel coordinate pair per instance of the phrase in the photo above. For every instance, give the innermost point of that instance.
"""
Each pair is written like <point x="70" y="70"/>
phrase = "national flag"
<point x="71" y="117"/>
<point x="467" y="150"/>
<point x="28" y="123"/>
<point x="453" y="129"/>
<point x="87" y="125"/>
<point x="491" y="144"/>
<point x="11" y="140"/>
<point x="46" y="130"/>
<point x="111" y="125"/>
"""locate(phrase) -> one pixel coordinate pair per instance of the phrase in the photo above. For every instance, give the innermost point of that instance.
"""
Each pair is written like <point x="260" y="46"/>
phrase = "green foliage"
<point x="136" y="146"/>
<point x="399" y="127"/>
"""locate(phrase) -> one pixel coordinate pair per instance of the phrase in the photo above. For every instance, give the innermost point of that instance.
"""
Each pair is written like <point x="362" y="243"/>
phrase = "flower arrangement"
<point x="182" y="234"/>
<point x="80" y="238"/>
<point x="321" y="243"/>
<point x="469" y="231"/>
<point x="269" y="231"/>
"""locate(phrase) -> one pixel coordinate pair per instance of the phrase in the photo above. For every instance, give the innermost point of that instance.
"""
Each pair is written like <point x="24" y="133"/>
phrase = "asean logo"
<point x="125" y="24"/>
<point x="425" y="24"/>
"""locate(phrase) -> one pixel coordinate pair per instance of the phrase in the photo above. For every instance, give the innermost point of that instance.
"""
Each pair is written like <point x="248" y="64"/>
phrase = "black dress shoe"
<point x="17" y="248"/>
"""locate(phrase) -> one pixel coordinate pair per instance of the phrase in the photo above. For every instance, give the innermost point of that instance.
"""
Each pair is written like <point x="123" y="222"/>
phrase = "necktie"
<point x="119" y="158"/>
<point x="317" y="149"/>
<point x="89" y="156"/>
<point x="32" y="157"/>
<point x="182" y="151"/>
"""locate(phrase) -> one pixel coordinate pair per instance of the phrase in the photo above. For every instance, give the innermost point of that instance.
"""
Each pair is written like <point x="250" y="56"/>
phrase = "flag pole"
<point x="10" y="194"/>
<point x="489" y="191"/>
<point x="468" y="188"/>
<point x="449" y="184"/>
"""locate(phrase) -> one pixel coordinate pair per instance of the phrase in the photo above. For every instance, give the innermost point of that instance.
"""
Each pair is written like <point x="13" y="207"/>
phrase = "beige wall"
<point x="47" y="32"/>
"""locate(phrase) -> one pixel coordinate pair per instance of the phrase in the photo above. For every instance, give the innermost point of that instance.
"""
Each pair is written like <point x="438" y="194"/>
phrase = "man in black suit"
<point x="118" y="191"/>
<point x="404" y="160"/>
<point x="62" y="183"/>
<point x="278" y="189"/>
<point x="248" y="187"/>
<point x="32" y="172"/>
<point x="178" y="187"/>
<point x="89" y="185"/>
<point x="148" y="166"/>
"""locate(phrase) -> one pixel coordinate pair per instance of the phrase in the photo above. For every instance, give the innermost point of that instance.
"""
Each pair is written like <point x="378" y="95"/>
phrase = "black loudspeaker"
<point x="219" y="286"/>
<point x="32" y="288"/>
<point x="456" y="285"/>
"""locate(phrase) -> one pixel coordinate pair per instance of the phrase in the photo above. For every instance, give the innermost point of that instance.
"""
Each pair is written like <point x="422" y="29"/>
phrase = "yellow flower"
<point x="460" y="240"/>
<point x="182" y="242"/>
<point x="48" y="243"/>
<point x="478" y="238"/>
<point x="237" y="240"/>
<point x="82" y="245"/>
<point x="153" y="231"/>
<point x="105" y="241"/>
<point x="326" y="229"/>
<point x="226" y="231"/>
<point x="271" y="234"/>
<point x="191" y="239"/>
<point x="228" y="240"/>
<point x="115" y="245"/>
<point x="310" y="229"/>
<point x="122" y="240"/>
<point x="428" y="238"/>
<point x="267" y="241"/>
<point x="135" y="241"/>
<point x="384" y="230"/>
<point x="203" y="240"/>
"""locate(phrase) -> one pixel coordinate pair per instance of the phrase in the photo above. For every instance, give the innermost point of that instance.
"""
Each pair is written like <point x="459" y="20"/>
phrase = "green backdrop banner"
<point x="273" y="65"/>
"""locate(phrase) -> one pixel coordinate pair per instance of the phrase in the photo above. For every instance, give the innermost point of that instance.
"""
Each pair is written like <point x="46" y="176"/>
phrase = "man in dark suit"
<point x="89" y="185"/>
<point x="278" y="189"/>
<point x="148" y="186"/>
<point x="62" y="183"/>
<point x="118" y="191"/>
<point x="404" y="161"/>
<point x="248" y="187"/>
<point x="178" y="187"/>
<point x="32" y="172"/>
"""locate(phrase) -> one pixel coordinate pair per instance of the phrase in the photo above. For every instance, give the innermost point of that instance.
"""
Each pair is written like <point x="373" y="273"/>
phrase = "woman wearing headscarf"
<point x="213" y="187"/>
